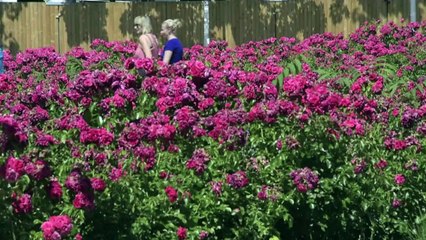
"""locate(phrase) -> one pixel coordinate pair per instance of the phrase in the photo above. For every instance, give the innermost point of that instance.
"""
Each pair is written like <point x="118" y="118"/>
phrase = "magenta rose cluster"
<point x="304" y="179"/>
<point x="57" y="227"/>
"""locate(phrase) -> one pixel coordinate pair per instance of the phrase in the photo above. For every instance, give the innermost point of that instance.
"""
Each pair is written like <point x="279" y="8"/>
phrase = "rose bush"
<point x="317" y="139"/>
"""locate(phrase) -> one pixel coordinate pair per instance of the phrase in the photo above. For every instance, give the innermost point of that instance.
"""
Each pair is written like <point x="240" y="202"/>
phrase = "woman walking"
<point x="173" y="49"/>
<point x="148" y="43"/>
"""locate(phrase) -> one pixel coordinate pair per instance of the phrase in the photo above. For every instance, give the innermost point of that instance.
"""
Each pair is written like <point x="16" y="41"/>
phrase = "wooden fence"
<point x="31" y="25"/>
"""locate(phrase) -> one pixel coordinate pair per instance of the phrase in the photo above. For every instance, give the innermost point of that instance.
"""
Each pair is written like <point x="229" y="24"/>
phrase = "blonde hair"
<point x="172" y="24"/>
<point x="145" y="23"/>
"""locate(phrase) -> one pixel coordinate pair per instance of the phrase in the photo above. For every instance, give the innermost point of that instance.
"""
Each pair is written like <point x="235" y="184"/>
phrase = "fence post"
<point x="275" y="20"/>
<point x="58" y="18"/>
<point x="413" y="5"/>
<point x="387" y="9"/>
<point x="206" y="13"/>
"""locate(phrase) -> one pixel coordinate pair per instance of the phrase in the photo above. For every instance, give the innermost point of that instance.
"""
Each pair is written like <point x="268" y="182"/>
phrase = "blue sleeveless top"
<point x="176" y="47"/>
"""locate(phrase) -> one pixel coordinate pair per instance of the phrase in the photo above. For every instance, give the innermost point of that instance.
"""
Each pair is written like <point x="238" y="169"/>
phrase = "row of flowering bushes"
<point x="317" y="139"/>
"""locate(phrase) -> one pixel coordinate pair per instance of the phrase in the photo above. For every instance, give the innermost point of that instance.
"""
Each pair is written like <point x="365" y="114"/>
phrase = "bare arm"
<point x="167" y="56"/>
<point x="145" y="46"/>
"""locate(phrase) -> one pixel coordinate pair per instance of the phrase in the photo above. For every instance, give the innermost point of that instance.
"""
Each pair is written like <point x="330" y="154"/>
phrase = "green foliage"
<point x="291" y="66"/>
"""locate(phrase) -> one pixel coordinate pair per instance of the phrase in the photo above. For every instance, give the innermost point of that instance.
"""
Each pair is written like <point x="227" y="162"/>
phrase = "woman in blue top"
<point x="173" y="49"/>
<point x="1" y="59"/>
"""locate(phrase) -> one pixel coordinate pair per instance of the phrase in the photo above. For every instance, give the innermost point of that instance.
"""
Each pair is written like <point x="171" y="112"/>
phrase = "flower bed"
<point x="274" y="139"/>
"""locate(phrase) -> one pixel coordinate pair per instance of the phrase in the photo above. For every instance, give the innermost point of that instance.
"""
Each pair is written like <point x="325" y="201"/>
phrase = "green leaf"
<point x="298" y="65"/>
<point x="101" y="120"/>
<point x="286" y="72"/>
<point x="292" y="68"/>
<point x="279" y="81"/>
<point x="344" y="81"/>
